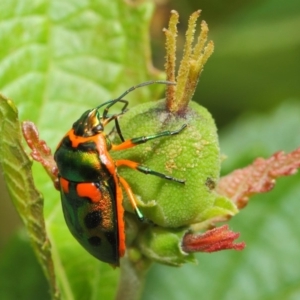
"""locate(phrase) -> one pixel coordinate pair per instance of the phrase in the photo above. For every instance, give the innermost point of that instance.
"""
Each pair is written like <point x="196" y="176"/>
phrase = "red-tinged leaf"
<point x="258" y="177"/>
<point x="213" y="240"/>
<point x="40" y="150"/>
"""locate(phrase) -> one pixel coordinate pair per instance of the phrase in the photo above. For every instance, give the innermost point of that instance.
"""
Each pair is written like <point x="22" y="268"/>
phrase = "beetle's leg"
<point x="40" y="151"/>
<point x="119" y="130"/>
<point x="143" y="139"/>
<point x="132" y="198"/>
<point x="108" y="118"/>
<point x="138" y="167"/>
<point x="139" y="140"/>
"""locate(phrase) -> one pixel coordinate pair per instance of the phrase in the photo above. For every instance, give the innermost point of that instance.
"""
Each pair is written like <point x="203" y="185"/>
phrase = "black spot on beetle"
<point x="95" y="241"/>
<point x="93" y="219"/>
<point x="111" y="237"/>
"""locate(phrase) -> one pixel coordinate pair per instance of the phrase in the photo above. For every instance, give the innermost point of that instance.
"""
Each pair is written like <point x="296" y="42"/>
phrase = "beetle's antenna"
<point x="144" y="84"/>
<point x="112" y="102"/>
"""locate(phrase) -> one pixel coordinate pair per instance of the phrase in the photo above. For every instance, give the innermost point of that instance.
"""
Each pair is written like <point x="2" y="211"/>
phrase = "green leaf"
<point x="57" y="59"/>
<point x="16" y="168"/>
<point x="269" y="266"/>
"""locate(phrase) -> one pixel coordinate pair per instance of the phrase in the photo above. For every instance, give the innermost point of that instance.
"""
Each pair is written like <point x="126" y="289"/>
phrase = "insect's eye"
<point x="98" y="128"/>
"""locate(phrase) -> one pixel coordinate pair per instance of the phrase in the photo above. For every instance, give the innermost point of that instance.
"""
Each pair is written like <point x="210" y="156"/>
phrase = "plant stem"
<point x="132" y="279"/>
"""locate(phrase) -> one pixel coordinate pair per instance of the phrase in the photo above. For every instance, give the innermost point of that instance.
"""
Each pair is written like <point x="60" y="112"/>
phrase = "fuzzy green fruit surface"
<point x="192" y="155"/>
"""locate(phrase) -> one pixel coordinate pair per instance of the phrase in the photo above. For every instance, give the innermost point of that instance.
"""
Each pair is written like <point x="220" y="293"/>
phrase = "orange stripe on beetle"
<point x="64" y="184"/>
<point x="89" y="190"/>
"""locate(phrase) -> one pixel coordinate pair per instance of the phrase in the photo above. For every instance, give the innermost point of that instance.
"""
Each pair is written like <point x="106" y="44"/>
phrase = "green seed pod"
<point x="192" y="155"/>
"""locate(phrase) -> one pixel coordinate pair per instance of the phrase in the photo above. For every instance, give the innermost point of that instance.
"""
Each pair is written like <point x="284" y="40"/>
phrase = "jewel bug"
<point x="89" y="184"/>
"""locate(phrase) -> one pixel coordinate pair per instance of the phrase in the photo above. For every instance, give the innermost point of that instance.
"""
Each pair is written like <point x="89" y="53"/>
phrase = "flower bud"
<point x="193" y="155"/>
<point x="164" y="246"/>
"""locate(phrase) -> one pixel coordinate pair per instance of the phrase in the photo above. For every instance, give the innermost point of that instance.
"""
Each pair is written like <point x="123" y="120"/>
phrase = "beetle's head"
<point x="88" y="124"/>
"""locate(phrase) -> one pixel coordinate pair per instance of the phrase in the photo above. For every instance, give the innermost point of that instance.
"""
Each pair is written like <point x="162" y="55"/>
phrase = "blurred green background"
<point x="256" y="61"/>
<point x="251" y="85"/>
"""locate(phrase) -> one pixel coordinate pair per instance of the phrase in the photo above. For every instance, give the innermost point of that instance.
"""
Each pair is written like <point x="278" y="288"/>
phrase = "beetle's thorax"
<point x="82" y="155"/>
